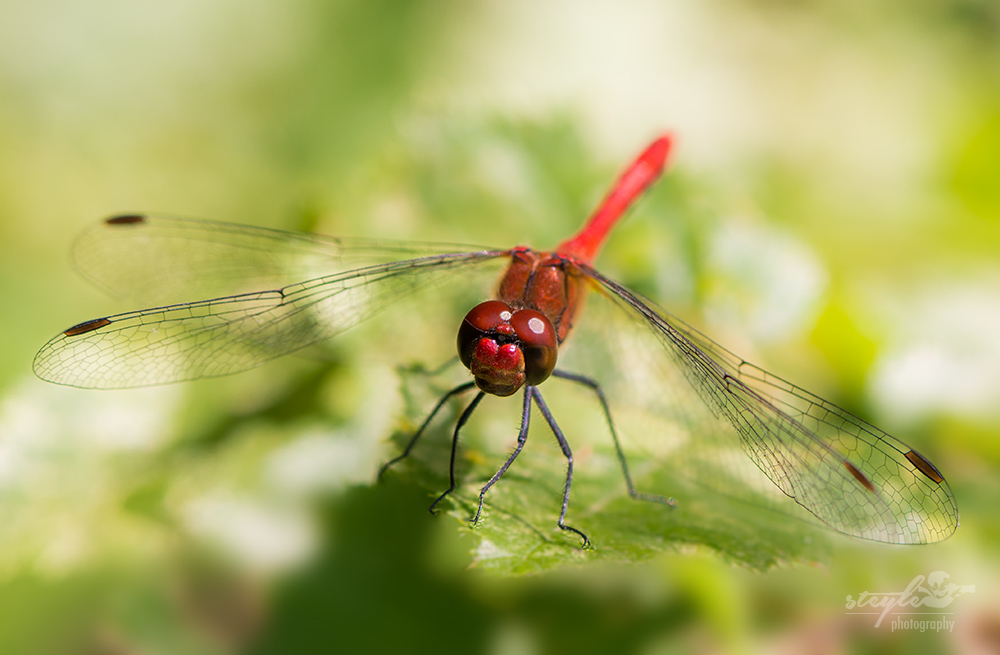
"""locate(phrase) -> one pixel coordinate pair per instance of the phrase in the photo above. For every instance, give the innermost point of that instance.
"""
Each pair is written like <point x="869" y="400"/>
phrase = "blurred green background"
<point x="833" y="213"/>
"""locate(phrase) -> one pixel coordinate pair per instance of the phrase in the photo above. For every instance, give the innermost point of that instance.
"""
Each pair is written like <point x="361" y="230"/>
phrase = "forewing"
<point x="162" y="259"/>
<point x="849" y="474"/>
<point x="234" y="333"/>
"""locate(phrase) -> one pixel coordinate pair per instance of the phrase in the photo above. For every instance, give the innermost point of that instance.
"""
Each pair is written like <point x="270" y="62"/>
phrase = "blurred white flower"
<point x="763" y="279"/>
<point x="319" y="462"/>
<point x="262" y="536"/>
<point x="61" y="461"/>
<point x="945" y="357"/>
<point x="37" y="441"/>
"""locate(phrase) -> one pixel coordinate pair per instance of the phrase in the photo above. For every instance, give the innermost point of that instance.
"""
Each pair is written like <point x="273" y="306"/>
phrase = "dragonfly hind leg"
<point x="596" y="388"/>
<point x="462" y="388"/>
<point x="454" y="448"/>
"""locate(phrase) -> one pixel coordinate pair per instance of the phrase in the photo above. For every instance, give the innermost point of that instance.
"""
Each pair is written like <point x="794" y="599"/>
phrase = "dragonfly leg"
<point x="596" y="388"/>
<point x="521" y="438"/>
<point x="454" y="448"/>
<point x="537" y="395"/>
<point x="462" y="388"/>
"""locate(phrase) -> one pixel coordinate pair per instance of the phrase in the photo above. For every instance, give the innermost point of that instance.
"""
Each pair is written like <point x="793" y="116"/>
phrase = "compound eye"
<point x="488" y="315"/>
<point x="481" y="320"/>
<point x="538" y="343"/>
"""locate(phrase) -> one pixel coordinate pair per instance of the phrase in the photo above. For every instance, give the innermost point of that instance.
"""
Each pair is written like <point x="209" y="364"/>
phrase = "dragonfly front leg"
<point x="569" y="463"/>
<point x="522" y="437"/>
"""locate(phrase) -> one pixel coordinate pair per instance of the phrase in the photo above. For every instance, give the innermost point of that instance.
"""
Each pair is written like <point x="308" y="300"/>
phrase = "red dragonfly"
<point x="849" y="474"/>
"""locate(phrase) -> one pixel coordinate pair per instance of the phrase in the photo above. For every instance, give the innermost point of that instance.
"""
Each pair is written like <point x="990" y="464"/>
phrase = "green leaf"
<point x="517" y="532"/>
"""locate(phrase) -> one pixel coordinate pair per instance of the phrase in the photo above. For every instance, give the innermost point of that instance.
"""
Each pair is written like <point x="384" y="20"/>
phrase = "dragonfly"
<point x="850" y="475"/>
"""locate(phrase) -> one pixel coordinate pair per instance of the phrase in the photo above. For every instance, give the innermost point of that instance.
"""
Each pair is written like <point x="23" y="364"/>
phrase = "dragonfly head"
<point x="506" y="348"/>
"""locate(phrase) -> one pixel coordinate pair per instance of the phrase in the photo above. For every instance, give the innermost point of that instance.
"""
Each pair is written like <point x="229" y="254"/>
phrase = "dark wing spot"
<point x="860" y="477"/>
<point x="125" y="219"/>
<point x="87" y="326"/>
<point x="924" y="466"/>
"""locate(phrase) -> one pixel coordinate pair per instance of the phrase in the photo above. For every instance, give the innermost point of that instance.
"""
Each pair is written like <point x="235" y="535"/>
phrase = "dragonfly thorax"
<point x="506" y="348"/>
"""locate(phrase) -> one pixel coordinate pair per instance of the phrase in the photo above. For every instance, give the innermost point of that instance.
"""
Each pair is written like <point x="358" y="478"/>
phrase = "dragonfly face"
<point x="506" y="348"/>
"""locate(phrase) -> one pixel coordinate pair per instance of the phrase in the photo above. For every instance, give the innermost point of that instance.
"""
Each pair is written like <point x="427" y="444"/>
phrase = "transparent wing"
<point x="848" y="473"/>
<point x="230" y="334"/>
<point x="162" y="259"/>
